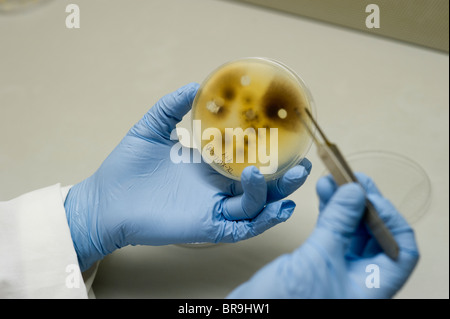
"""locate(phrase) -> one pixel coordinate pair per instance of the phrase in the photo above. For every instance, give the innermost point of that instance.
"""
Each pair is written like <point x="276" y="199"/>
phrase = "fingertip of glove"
<point x="325" y="185"/>
<point x="286" y="210"/>
<point x="191" y="88"/>
<point x="306" y="164"/>
<point x="296" y="173"/>
<point x="251" y="174"/>
<point x="353" y="187"/>
<point x="368" y="183"/>
<point x="350" y="194"/>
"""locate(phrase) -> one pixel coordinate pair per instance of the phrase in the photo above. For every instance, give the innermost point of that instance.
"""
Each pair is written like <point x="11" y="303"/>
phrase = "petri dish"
<point x="400" y="179"/>
<point x="251" y="111"/>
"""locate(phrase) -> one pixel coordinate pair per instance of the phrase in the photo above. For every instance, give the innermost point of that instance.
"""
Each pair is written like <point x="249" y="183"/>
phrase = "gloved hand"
<point x="340" y="259"/>
<point x="139" y="196"/>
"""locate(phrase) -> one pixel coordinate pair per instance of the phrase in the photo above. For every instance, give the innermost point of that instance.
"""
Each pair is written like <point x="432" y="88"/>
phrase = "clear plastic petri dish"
<point x="251" y="111"/>
<point x="400" y="179"/>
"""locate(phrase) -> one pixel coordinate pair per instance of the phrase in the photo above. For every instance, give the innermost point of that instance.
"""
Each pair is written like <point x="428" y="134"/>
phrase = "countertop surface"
<point x="68" y="96"/>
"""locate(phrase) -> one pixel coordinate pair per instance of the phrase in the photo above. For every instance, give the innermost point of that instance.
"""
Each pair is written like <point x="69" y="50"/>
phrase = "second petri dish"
<point x="251" y="111"/>
<point x="403" y="181"/>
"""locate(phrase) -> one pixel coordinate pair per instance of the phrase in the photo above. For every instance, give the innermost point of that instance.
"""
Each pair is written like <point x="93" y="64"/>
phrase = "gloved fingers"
<point x="396" y="223"/>
<point x="289" y="182"/>
<point x="325" y="188"/>
<point x="250" y="203"/>
<point x="285" y="185"/>
<point x="343" y="212"/>
<point x="395" y="272"/>
<point x="163" y="117"/>
<point x="365" y="246"/>
<point x="273" y="214"/>
<point x="390" y="216"/>
<point x="368" y="245"/>
<point x="370" y="248"/>
<point x="359" y="242"/>
<point x="367" y="183"/>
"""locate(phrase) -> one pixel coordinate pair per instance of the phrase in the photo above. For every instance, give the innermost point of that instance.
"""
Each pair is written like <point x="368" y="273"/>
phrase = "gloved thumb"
<point x="249" y="204"/>
<point x="163" y="117"/>
<point x="344" y="210"/>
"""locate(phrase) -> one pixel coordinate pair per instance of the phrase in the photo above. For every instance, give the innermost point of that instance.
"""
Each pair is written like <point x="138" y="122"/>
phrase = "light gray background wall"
<point x="422" y="22"/>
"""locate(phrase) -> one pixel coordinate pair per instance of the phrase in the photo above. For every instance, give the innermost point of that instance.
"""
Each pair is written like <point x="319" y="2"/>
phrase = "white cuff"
<point x="37" y="258"/>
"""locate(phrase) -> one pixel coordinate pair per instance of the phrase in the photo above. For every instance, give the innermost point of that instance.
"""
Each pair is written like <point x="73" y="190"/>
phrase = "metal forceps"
<point x="342" y="174"/>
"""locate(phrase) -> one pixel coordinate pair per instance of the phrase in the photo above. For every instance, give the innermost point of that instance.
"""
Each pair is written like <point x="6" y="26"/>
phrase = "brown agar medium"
<point x="244" y="101"/>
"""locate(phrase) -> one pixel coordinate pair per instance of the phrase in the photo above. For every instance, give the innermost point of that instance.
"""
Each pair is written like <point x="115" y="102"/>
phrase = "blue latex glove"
<point x="340" y="259"/>
<point x="140" y="197"/>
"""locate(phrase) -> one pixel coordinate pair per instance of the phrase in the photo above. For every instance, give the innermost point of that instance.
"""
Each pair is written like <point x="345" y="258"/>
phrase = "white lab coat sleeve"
<point x="37" y="257"/>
